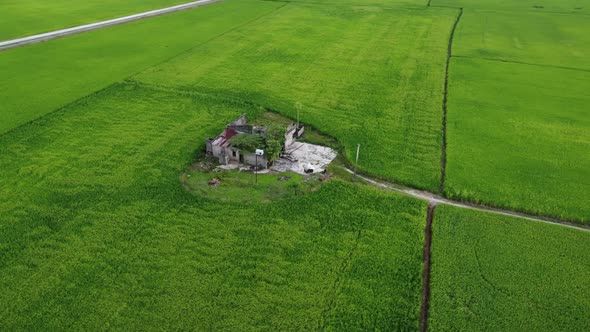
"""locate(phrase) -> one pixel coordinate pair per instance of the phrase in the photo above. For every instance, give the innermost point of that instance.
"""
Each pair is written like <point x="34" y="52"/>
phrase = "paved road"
<point x="436" y="199"/>
<point x="4" y="45"/>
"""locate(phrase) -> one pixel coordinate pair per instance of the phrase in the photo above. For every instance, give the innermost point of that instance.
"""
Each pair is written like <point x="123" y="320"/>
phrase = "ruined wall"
<point x="250" y="159"/>
<point x="240" y="121"/>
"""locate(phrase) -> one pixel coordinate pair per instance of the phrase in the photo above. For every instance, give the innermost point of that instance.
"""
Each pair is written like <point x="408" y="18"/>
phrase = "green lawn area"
<point x="519" y="136"/>
<point x="540" y="6"/>
<point x="547" y="39"/>
<point x="19" y="18"/>
<point x="239" y="187"/>
<point x="497" y="273"/>
<point x="364" y="75"/>
<point x="41" y="78"/>
<point x="97" y="232"/>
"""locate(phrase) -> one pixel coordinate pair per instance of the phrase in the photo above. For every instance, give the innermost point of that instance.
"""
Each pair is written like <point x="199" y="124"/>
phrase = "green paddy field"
<point x="98" y="230"/>
<point x="20" y="18"/>
<point x="496" y="273"/>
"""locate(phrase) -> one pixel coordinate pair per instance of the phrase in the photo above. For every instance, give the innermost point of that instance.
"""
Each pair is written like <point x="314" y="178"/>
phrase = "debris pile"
<point x="304" y="158"/>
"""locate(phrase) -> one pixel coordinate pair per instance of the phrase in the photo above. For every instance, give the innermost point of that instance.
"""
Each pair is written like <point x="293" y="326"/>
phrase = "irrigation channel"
<point x="443" y="161"/>
<point x="4" y="45"/>
<point x="433" y="201"/>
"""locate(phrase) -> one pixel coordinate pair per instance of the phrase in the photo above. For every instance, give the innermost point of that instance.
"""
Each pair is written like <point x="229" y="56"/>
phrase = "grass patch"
<point x="235" y="186"/>
<point x="369" y="77"/>
<point x="497" y="273"/>
<point x="97" y="232"/>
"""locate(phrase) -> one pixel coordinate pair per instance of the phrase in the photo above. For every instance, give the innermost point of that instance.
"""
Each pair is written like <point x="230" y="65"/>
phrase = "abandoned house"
<point x="221" y="146"/>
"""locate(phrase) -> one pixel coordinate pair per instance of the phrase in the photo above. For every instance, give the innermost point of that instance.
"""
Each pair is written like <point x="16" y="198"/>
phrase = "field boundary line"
<point x="443" y="161"/>
<point x="43" y="37"/>
<point x="338" y="280"/>
<point x="521" y="63"/>
<point x="489" y="10"/>
<point x="437" y="199"/>
<point x="427" y="264"/>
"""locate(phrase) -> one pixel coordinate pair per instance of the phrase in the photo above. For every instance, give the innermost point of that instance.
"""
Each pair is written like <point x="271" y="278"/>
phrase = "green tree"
<point x="275" y="139"/>
<point x="248" y="142"/>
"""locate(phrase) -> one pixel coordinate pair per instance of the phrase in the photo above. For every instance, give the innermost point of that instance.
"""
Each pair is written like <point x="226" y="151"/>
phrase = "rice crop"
<point x="97" y="231"/>
<point x="498" y="273"/>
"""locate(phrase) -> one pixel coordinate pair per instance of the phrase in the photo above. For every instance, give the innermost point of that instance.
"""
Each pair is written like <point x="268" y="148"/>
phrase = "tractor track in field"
<point x="443" y="159"/>
<point x="39" y="38"/>
<point x="426" y="272"/>
<point x="437" y="199"/>
<point x="337" y="285"/>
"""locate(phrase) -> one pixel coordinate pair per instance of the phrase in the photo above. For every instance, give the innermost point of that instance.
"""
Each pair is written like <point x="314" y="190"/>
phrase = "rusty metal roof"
<point x="223" y="139"/>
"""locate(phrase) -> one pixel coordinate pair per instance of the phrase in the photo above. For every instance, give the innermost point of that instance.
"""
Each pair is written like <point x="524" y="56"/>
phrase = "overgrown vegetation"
<point x="247" y="142"/>
<point x="498" y="273"/>
<point x="272" y="142"/>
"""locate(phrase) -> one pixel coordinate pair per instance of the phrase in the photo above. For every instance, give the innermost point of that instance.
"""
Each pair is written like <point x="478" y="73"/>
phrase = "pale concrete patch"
<point x="300" y="156"/>
<point x="230" y="166"/>
<point x="317" y="156"/>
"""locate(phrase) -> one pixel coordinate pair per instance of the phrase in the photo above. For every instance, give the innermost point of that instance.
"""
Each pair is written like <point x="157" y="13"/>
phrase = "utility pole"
<point x="356" y="163"/>
<point x="298" y="106"/>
